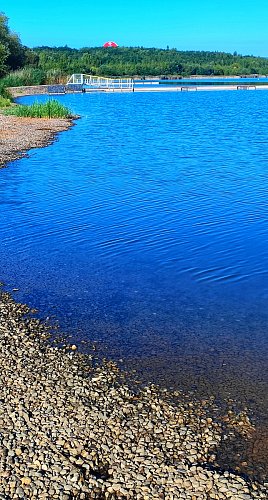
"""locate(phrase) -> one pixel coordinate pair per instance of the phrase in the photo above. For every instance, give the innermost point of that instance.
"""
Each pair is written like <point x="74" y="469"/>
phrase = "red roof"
<point x="110" y="44"/>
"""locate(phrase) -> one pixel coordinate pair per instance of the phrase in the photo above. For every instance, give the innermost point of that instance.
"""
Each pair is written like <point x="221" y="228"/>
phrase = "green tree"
<point x="12" y="52"/>
<point x="4" y="53"/>
<point x="140" y="61"/>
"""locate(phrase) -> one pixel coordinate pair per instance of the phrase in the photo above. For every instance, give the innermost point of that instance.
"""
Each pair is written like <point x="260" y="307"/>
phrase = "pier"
<point x="81" y="82"/>
<point x="86" y="83"/>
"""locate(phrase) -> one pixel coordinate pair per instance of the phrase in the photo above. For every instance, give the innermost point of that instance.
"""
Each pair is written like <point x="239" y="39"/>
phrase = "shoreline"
<point x="18" y="135"/>
<point x="72" y="426"/>
<point x="140" y="87"/>
<point x="80" y="414"/>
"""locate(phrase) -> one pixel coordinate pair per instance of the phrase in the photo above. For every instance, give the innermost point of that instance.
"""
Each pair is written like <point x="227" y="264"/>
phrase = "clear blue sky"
<point x="223" y="25"/>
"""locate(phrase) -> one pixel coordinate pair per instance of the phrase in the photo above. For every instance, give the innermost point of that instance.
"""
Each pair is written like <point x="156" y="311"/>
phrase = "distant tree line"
<point x="23" y="66"/>
<point x="139" y="61"/>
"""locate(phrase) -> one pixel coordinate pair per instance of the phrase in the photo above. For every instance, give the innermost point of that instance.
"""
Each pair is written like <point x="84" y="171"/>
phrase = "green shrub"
<point x="50" y="109"/>
<point x="3" y="91"/>
<point x="4" y="103"/>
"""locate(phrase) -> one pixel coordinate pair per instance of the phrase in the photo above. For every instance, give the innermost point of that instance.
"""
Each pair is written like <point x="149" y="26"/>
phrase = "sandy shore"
<point x="73" y="426"/>
<point x="18" y="135"/>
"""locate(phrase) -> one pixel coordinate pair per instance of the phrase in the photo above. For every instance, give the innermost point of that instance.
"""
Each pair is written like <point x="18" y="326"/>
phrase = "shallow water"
<point x="145" y="228"/>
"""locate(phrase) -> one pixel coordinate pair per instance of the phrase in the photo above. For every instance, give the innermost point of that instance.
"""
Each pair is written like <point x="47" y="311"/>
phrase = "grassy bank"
<point x="50" y="109"/>
<point x="29" y="77"/>
<point x="25" y="77"/>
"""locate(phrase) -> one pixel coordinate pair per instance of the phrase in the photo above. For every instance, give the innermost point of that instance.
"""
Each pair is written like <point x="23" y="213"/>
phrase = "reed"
<point x="50" y="109"/>
<point x="29" y="77"/>
<point x="19" y="78"/>
<point x="24" y="77"/>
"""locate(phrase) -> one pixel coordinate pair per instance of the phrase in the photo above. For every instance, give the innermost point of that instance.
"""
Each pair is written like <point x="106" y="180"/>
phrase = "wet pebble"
<point x="74" y="428"/>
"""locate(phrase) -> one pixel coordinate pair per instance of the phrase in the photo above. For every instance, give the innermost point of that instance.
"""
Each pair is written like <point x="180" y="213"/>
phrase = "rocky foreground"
<point x="71" y="427"/>
<point x="18" y="135"/>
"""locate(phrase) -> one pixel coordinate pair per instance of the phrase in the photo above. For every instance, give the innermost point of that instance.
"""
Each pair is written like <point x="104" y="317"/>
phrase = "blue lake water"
<point x="199" y="82"/>
<point x="145" y="228"/>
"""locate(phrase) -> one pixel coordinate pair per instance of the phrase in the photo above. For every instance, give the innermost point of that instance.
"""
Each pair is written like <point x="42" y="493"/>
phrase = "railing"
<point x="82" y="81"/>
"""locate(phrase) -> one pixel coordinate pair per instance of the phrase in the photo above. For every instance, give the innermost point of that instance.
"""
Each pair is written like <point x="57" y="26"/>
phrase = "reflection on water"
<point x="145" y="227"/>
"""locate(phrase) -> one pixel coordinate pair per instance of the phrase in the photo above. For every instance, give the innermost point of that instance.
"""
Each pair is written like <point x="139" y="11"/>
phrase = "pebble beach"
<point x="73" y="426"/>
<point x="18" y="135"/>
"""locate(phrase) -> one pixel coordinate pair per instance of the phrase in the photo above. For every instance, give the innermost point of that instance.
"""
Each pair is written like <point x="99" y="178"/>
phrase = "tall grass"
<point x="24" y="77"/>
<point x="50" y="109"/>
<point x="19" y="78"/>
<point x="55" y="76"/>
<point x="29" y="77"/>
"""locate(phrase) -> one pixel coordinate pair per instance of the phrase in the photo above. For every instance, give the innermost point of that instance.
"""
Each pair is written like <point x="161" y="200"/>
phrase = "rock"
<point x="71" y="428"/>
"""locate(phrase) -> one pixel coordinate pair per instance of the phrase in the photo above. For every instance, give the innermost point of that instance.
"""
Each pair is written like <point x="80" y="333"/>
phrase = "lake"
<point x="203" y="81"/>
<point x="145" y="228"/>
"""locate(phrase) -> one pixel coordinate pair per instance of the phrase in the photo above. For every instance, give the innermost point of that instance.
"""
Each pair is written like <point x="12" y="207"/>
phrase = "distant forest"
<point x="21" y="65"/>
<point x="139" y="61"/>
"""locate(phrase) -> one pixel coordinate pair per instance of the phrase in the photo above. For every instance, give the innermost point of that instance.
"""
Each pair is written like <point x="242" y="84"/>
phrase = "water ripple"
<point x="151" y="193"/>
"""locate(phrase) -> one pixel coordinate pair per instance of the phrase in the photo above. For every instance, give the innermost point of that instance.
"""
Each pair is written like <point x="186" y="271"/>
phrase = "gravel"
<point x="17" y="135"/>
<point x="71" y="426"/>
